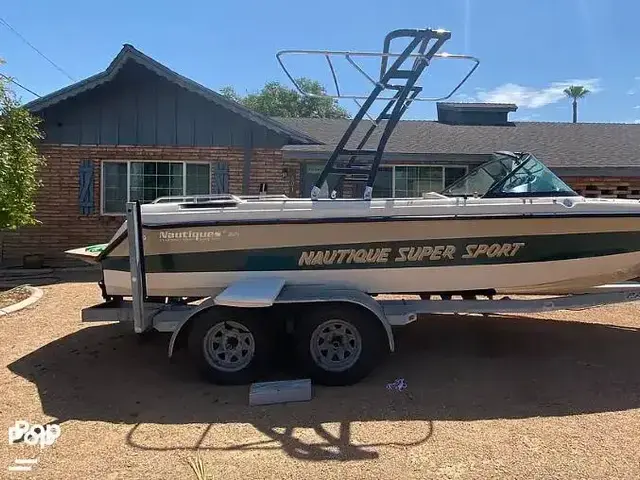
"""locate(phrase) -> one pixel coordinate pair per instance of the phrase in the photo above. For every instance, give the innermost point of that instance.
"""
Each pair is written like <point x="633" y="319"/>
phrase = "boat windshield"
<point x="510" y="175"/>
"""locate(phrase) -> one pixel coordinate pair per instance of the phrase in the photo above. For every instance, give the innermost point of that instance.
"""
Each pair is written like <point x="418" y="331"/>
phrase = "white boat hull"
<point x="435" y="245"/>
<point x="555" y="277"/>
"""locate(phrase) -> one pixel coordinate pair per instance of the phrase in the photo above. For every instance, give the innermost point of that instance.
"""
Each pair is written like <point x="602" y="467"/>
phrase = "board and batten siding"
<point x="139" y="107"/>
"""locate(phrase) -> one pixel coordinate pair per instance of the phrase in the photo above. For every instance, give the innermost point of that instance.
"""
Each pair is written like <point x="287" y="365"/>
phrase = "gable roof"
<point x="579" y="145"/>
<point x="128" y="52"/>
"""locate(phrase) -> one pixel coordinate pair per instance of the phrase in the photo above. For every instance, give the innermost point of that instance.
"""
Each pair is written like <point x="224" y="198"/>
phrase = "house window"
<point x="127" y="181"/>
<point x="453" y="174"/>
<point x="383" y="186"/>
<point x="311" y="173"/>
<point x="406" y="181"/>
<point x="412" y="181"/>
<point x="401" y="181"/>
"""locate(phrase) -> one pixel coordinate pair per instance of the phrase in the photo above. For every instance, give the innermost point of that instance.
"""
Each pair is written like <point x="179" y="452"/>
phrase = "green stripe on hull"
<point x="436" y="253"/>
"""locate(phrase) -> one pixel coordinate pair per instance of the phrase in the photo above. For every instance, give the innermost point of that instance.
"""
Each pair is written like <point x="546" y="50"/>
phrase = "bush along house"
<point x="139" y="130"/>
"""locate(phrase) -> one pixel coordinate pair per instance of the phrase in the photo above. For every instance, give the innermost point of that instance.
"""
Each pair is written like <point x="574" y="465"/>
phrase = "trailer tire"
<point x="244" y="332"/>
<point x="358" y="336"/>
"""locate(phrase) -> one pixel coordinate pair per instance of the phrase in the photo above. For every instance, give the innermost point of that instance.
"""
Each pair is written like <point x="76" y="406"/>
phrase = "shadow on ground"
<point x="456" y="368"/>
<point x="13" y="277"/>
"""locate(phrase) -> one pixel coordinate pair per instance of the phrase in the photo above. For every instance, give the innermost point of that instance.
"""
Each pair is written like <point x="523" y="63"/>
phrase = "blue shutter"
<point x="85" y="197"/>
<point x="220" y="177"/>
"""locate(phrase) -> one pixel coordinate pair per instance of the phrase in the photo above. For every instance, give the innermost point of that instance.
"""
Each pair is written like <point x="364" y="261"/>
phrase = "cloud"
<point x="636" y="107"/>
<point x="531" y="97"/>
<point x="462" y="97"/>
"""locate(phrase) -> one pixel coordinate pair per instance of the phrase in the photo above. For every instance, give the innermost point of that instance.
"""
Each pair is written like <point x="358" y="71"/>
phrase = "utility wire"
<point x="21" y="86"/>
<point x="6" y="24"/>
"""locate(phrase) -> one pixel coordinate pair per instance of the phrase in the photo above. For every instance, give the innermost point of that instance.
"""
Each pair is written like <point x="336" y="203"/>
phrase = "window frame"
<point x="393" y="166"/>
<point x="129" y="162"/>
<point x="393" y="172"/>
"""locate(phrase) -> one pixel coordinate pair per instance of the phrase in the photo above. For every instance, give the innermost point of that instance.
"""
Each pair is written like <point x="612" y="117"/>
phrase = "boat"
<point x="510" y="226"/>
<point x="524" y="231"/>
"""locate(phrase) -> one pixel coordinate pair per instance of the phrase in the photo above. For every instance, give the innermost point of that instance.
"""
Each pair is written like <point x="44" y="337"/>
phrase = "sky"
<point x="529" y="51"/>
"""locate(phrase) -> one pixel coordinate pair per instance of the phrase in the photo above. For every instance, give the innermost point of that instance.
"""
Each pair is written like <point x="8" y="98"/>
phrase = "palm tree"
<point x="575" y="92"/>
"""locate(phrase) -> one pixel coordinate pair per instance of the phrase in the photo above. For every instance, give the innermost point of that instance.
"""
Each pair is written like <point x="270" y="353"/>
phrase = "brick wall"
<point x="606" y="187"/>
<point x="281" y="177"/>
<point x="57" y="204"/>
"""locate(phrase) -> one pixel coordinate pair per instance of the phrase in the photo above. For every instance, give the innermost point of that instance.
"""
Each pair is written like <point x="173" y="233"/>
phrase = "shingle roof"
<point x="581" y="145"/>
<point x="127" y="53"/>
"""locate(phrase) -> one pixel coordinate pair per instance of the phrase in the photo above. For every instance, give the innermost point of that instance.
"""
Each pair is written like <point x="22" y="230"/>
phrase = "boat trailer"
<point x="339" y="333"/>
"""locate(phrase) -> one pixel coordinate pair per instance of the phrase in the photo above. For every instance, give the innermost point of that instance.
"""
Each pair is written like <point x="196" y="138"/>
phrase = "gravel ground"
<point x="552" y="396"/>
<point x="10" y="296"/>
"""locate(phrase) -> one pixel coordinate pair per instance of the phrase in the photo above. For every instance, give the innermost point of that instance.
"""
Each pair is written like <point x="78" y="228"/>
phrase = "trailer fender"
<point x="307" y="294"/>
<point x="304" y="294"/>
<point x="243" y="293"/>
<point x="206" y="304"/>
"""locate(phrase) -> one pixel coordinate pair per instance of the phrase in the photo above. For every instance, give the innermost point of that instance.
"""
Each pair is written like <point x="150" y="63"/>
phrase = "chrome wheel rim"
<point x="335" y="345"/>
<point x="229" y="346"/>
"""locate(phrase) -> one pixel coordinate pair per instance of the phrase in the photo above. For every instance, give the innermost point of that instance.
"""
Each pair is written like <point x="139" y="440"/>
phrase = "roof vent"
<point x="475" y="113"/>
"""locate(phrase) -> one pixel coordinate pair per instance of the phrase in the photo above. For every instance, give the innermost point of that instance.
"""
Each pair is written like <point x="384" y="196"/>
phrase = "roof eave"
<point x="303" y="153"/>
<point x="82" y="86"/>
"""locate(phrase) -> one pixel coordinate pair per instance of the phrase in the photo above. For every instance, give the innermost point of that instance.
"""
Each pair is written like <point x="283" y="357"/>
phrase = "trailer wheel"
<point x="230" y="346"/>
<point x="339" y="344"/>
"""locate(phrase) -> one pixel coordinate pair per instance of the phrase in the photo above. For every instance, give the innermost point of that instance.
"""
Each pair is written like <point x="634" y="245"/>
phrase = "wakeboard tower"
<point x="397" y="85"/>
